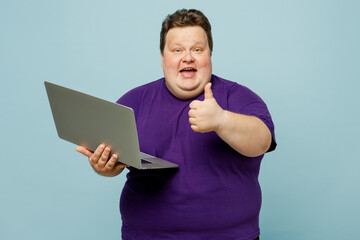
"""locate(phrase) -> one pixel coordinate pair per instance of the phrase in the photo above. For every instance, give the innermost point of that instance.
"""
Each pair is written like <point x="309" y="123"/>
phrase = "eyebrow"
<point x="195" y="43"/>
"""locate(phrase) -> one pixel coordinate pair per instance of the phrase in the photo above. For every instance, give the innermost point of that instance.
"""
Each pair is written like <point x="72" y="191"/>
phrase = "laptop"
<point x="89" y="121"/>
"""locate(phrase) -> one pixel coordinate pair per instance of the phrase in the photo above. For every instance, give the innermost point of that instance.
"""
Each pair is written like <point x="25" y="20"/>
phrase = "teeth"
<point x="188" y="69"/>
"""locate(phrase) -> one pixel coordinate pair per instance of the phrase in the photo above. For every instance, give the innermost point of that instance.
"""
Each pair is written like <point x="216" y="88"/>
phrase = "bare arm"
<point x="248" y="135"/>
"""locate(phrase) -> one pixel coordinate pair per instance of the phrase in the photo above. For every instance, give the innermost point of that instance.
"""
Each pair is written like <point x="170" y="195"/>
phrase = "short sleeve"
<point x="244" y="101"/>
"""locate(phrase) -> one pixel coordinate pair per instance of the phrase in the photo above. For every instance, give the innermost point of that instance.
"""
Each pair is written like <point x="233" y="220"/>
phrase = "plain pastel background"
<point x="301" y="57"/>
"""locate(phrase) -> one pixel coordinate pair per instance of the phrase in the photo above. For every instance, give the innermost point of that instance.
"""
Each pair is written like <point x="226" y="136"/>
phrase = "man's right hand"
<point x="101" y="161"/>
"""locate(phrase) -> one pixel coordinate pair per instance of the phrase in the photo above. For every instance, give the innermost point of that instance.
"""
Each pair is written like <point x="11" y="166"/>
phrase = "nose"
<point x="188" y="57"/>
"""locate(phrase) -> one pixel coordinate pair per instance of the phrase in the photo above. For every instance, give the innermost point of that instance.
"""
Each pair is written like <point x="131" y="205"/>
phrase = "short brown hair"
<point x="185" y="18"/>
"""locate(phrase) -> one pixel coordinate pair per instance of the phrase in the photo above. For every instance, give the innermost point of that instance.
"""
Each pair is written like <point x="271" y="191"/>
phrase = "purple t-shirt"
<point x="215" y="193"/>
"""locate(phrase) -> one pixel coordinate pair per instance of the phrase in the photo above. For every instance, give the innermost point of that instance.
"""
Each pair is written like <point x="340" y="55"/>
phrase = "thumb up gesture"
<point x="207" y="115"/>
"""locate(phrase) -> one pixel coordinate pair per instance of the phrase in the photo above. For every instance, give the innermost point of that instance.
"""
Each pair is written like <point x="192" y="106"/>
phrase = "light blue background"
<point x="301" y="57"/>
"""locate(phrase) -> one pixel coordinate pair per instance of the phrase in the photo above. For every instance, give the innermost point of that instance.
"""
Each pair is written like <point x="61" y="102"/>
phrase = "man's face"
<point x="186" y="61"/>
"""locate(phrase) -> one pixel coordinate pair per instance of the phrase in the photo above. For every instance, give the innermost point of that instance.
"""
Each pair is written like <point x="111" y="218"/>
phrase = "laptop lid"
<point x="89" y="121"/>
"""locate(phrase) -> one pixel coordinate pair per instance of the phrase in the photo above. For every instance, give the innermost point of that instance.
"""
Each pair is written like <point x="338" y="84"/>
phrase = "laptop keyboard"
<point x="145" y="162"/>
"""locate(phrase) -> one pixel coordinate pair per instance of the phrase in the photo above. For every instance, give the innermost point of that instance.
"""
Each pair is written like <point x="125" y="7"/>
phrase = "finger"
<point x="84" y="151"/>
<point x="194" y="104"/>
<point x="208" y="92"/>
<point x="192" y="113"/>
<point x="112" y="161"/>
<point x="97" y="154"/>
<point x="195" y="128"/>
<point x="104" y="157"/>
<point x="192" y="121"/>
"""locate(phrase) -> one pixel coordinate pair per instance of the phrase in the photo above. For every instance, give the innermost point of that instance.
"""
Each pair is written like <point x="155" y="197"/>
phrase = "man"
<point x="215" y="130"/>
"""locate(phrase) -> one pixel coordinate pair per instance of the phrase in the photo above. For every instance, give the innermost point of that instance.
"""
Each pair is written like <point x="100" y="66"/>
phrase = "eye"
<point x="177" y="50"/>
<point x="197" y="50"/>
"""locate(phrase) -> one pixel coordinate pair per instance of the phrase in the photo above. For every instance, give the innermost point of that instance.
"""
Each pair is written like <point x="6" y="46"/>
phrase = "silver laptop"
<point x="89" y="121"/>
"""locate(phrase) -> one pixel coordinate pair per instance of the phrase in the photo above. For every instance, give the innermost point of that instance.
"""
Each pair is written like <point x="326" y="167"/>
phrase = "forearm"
<point x="248" y="135"/>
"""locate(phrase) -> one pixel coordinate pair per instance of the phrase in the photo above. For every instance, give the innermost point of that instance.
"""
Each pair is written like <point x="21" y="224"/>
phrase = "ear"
<point x="162" y="59"/>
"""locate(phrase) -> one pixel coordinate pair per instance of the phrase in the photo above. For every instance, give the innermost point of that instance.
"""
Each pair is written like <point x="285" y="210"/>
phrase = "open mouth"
<point x="188" y="69"/>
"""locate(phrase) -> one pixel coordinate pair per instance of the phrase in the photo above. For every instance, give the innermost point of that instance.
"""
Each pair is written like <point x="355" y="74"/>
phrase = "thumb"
<point x="208" y="92"/>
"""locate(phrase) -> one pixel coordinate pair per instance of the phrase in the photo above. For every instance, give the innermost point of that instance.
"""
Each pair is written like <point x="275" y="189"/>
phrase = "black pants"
<point x="257" y="238"/>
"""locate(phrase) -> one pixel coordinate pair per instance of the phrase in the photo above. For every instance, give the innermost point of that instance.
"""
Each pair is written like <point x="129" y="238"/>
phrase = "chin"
<point x="188" y="85"/>
<point x="186" y="94"/>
